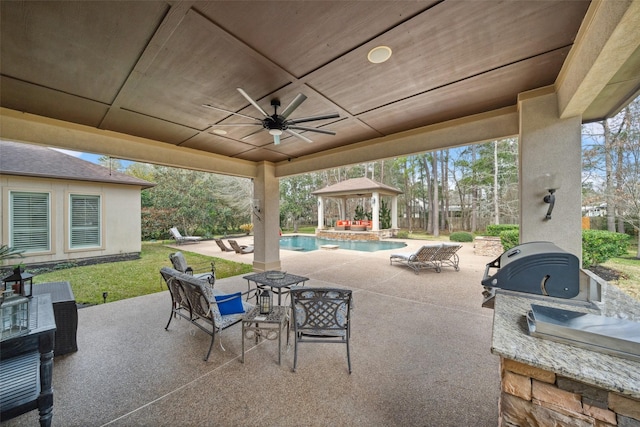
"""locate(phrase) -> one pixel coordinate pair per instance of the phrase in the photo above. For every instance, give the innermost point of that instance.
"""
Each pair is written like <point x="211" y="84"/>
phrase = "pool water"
<point x="311" y="243"/>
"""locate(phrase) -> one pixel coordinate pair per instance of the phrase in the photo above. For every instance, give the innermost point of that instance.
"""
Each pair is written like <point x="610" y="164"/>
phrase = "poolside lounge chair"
<point x="180" y="239"/>
<point x="447" y="256"/>
<point x="240" y="249"/>
<point x="222" y="246"/>
<point x="421" y="259"/>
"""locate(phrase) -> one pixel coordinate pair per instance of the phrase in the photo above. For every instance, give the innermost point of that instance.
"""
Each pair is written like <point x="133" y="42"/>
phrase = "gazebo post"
<point x="394" y="213"/>
<point x="320" y="213"/>
<point x="375" y="205"/>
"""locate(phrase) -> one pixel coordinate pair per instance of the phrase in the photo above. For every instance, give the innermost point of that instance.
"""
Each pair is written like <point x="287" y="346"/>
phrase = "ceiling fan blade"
<point x="314" y="118"/>
<point x="230" y="112"/>
<point x="297" y="135"/>
<point x="235" y="124"/>
<point x="299" y="99"/>
<point x="276" y="139"/>
<point x="325" y="131"/>
<point x="254" y="103"/>
<point x="251" y="134"/>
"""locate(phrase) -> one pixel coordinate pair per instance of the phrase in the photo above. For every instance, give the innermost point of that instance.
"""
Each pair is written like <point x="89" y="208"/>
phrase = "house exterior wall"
<point x="120" y="217"/>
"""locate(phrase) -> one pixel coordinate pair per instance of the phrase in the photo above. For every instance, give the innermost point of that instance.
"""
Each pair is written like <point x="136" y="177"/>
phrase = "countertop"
<point x="511" y="340"/>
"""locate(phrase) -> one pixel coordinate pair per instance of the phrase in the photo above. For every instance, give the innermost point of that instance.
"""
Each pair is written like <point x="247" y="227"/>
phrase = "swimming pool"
<point x="311" y="243"/>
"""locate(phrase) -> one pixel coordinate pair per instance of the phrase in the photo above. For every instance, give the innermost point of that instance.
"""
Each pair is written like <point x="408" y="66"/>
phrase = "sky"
<point x="89" y="157"/>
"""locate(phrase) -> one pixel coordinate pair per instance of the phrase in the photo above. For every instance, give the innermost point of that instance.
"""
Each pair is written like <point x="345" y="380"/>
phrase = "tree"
<point x="296" y="201"/>
<point x="198" y="203"/>
<point x="611" y="165"/>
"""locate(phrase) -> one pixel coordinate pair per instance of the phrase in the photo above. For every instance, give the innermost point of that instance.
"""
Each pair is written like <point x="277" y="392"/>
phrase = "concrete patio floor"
<point x="420" y="352"/>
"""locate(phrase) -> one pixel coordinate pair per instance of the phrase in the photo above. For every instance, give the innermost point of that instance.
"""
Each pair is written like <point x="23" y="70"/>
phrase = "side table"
<point x="269" y="326"/>
<point x="280" y="285"/>
<point x="26" y="366"/>
<point x="65" y="311"/>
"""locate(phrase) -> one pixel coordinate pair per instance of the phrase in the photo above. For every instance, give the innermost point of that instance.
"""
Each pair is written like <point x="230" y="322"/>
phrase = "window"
<point x="30" y="221"/>
<point x="85" y="221"/>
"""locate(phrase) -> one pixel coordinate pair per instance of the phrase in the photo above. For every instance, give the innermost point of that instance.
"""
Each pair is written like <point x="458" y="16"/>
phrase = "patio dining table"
<point x="280" y="283"/>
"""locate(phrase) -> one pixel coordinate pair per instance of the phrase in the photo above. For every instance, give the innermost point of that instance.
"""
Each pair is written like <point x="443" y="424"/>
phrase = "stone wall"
<point x="346" y="235"/>
<point x="532" y="396"/>
<point x="487" y="246"/>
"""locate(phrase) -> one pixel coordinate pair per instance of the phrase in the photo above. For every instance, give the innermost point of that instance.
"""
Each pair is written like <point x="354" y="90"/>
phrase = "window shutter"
<point x="30" y="226"/>
<point x="85" y="221"/>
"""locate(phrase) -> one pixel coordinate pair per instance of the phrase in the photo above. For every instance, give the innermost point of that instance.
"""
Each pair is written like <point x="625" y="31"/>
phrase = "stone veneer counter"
<point x="535" y="371"/>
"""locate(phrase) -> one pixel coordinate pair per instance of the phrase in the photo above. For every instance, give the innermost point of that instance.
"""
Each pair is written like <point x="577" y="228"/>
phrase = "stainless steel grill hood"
<point x="540" y="268"/>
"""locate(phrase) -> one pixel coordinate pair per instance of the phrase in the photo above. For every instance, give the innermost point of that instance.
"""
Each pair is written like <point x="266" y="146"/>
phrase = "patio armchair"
<point x="321" y="315"/>
<point x="204" y="307"/>
<point x="240" y="249"/>
<point x="423" y="258"/>
<point x="180" y="263"/>
<point x="222" y="246"/>
<point x="180" y="239"/>
<point x="447" y="256"/>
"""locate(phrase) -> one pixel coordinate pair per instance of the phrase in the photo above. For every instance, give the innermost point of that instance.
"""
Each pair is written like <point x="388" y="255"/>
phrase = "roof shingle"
<point x="34" y="160"/>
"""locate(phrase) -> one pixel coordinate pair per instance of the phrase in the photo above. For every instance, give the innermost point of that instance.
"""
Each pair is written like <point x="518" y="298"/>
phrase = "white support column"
<point x="320" y="213"/>
<point x="549" y="145"/>
<point x="266" y="226"/>
<point x="375" y="202"/>
<point x="394" y="213"/>
<point x="343" y="208"/>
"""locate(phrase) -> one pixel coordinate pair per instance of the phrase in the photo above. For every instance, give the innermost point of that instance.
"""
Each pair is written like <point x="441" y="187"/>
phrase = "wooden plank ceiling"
<point x="146" y="68"/>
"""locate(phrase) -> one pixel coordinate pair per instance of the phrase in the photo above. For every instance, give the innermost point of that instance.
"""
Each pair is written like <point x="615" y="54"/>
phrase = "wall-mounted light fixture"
<point x="551" y="184"/>
<point x="373" y="201"/>
<point x="256" y="208"/>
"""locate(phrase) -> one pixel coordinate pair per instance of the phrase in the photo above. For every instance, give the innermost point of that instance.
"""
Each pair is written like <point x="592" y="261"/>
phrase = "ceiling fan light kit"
<point x="276" y="124"/>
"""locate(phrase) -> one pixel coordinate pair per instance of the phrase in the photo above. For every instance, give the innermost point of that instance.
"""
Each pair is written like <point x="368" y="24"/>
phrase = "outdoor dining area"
<point x="419" y="354"/>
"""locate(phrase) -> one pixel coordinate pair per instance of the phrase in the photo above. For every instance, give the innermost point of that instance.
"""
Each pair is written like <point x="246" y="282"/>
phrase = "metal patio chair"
<point x="321" y="315"/>
<point x="180" y="263"/>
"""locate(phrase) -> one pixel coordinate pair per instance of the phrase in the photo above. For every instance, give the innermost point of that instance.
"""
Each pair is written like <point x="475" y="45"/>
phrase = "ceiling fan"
<point x="278" y="123"/>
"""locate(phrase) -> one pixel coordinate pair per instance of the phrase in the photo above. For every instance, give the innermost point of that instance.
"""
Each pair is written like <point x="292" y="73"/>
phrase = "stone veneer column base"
<point x="532" y="396"/>
<point x="487" y="246"/>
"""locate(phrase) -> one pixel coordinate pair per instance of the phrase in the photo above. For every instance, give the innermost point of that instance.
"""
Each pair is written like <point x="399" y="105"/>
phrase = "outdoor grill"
<point x="540" y="268"/>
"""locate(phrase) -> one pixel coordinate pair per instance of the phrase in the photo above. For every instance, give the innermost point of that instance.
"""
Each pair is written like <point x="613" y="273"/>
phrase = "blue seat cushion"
<point x="232" y="306"/>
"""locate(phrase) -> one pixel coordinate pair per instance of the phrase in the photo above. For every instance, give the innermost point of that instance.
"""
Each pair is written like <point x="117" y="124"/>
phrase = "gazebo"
<point x="358" y="188"/>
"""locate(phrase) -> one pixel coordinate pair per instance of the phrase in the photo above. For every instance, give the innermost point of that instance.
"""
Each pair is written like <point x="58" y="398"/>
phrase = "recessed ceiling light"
<point x="220" y="131"/>
<point x="379" y="54"/>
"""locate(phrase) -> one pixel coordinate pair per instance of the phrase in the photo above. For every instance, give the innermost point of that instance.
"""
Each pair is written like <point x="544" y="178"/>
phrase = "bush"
<point x="461" y="236"/>
<point x="495" y="229"/>
<point x="510" y="238"/>
<point x="598" y="246"/>
<point x="403" y="234"/>
<point x="247" y="228"/>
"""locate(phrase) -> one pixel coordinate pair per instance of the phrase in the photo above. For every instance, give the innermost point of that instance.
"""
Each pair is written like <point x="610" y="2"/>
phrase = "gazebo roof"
<point x="360" y="187"/>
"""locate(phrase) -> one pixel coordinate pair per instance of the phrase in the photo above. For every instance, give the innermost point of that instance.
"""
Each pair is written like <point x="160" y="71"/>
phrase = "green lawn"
<point x="129" y="279"/>
<point x="629" y="268"/>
